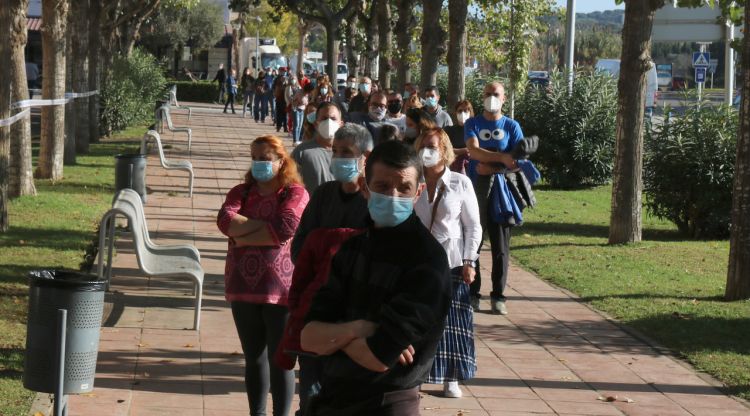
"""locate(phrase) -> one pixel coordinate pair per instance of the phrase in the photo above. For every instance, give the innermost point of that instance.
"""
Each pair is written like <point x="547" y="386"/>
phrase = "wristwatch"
<point x="468" y="262"/>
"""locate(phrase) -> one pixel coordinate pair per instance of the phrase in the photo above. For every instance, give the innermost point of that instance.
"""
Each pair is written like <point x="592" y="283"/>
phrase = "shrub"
<point x="199" y="91"/>
<point x="576" y="132"/>
<point x="688" y="170"/>
<point x="129" y="96"/>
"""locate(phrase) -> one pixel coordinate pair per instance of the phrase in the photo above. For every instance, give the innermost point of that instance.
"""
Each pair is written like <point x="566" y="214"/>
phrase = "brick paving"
<point x="551" y="355"/>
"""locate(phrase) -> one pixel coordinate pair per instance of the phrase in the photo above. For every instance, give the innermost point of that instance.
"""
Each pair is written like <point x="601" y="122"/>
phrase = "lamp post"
<point x="258" y="20"/>
<point x="570" y="43"/>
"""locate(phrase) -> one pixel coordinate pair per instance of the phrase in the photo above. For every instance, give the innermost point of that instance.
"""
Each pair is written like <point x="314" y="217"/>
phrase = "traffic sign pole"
<point x="701" y="62"/>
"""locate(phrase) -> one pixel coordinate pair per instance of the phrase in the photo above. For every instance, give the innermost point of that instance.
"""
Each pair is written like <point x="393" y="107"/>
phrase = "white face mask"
<point x="430" y="157"/>
<point x="492" y="104"/>
<point x="327" y="128"/>
<point x="462" y="117"/>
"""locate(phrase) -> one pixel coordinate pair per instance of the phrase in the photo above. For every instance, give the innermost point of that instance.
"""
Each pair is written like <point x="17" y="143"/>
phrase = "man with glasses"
<point x="375" y="117"/>
<point x="490" y="138"/>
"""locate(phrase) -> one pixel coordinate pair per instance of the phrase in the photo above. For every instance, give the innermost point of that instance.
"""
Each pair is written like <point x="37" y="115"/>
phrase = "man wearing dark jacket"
<point x="382" y="312"/>
<point x="221" y="78"/>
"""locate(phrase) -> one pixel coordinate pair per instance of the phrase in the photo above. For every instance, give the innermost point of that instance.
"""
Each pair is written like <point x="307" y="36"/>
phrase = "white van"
<point x="612" y="67"/>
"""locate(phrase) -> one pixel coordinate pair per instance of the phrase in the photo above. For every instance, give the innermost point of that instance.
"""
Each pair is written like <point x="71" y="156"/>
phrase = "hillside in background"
<point x="612" y="19"/>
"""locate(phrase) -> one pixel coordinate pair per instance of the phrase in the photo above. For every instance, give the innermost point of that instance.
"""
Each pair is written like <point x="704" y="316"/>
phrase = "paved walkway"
<point x="551" y="355"/>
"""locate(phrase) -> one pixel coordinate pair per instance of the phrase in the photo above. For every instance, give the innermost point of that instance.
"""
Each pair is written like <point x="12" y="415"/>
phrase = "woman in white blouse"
<point x="449" y="210"/>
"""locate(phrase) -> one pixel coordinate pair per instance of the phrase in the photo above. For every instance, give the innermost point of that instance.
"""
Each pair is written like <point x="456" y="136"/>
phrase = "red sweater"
<point x="310" y="274"/>
<point x="262" y="274"/>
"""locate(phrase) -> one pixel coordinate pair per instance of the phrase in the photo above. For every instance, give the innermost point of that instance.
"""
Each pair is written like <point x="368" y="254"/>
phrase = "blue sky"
<point x="586" y="6"/>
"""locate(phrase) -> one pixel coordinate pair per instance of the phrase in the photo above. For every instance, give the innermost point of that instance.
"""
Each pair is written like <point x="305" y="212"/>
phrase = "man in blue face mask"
<point x="359" y="102"/>
<point x="431" y="99"/>
<point x="339" y="203"/>
<point x="381" y="314"/>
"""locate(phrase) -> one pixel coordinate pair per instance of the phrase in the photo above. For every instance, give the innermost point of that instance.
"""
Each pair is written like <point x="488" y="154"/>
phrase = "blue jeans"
<point x="260" y="110"/>
<point x="299" y="118"/>
<point x="310" y="372"/>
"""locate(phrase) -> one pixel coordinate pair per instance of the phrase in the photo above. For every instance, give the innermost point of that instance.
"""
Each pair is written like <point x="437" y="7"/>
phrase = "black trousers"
<point x="280" y="115"/>
<point x="393" y="403"/>
<point x="499" y="235"/>
<point x="230" y="101"/>
<point x="260" y="327"/>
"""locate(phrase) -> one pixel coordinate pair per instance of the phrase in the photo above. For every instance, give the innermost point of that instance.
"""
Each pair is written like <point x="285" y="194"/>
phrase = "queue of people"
<point x="356" y="256"/>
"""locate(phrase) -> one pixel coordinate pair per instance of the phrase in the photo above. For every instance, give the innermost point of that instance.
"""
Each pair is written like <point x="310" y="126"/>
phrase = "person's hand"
<point x="468" y="274"/>
<point x="485" y="169"/>
<point x="362" y="328"/>
<point x="407" y="356"/>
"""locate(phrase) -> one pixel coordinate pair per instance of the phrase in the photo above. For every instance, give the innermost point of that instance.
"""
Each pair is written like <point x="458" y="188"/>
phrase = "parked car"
<point x="679" y="83"/>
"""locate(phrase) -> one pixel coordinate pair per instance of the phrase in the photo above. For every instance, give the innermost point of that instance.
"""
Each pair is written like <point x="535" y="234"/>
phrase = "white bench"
<point x="174" y="104"/>
<point x="163" y="114"/>
<point x="167" y="163"/>
<point x="180" y="261"/>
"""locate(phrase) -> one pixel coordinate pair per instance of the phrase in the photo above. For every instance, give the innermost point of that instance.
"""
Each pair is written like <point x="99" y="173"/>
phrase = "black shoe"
<point x="225" y="111"/>
<point x="233" y="112"/>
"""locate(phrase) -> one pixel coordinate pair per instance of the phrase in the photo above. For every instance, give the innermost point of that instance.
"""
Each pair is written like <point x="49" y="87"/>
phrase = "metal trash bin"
<point x="83" y="297"/>
<point x="130" y="172"/>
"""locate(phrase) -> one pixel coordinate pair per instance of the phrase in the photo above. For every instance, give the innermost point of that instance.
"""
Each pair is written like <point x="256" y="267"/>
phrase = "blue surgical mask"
<point x="431" y="102"/>
<point x="323" y="91"/>
<point x="345" y="169"/>
<point x="406" y="95"/>
<point x="262" y="170"/>
<point x="311" y="117"/>
<point x="364" y="87"/>
<point x="389" y="211"/>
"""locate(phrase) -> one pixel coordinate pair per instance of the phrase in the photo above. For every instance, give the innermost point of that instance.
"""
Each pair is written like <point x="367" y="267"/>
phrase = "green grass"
<point x="666" y="287"/>
<point x="51" y="230"/>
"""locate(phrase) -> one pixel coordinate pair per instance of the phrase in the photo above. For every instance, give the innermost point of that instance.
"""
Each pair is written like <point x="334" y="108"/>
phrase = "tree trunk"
<point x="385" y="36"/>
<point x="94" y="47"/>
<point x="738" y="275"/>
<point x="372" y="38"/>
<point x="404" y="26"/>
<point x="302" y="28"/>
<point x="457" y="10"/>
<point x="69" y="150"/>
<point x="21" y="177"/>
<point x="54" y="14"/>
<point x="433" y="42"/>
<point x="5" y="22"/>
<point x="80" y="11"/>
<point x="625" y="217"/>
<point x="352" y="60"/>
<point x="331" y="48"/>
<point x="235" y="52"/>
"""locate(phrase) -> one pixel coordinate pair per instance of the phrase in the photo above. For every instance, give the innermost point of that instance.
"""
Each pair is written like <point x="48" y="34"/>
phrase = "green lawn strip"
<point x="666" y="287"/>
<point x="51" y="230"/>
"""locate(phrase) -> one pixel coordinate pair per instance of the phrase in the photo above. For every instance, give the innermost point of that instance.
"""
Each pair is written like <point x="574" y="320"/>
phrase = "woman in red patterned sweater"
<point x="260" y="217"/>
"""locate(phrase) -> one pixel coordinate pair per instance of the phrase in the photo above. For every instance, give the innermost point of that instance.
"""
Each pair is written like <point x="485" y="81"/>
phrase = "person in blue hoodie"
<point x="490" y="138"/>
<point x="231" y="87"/>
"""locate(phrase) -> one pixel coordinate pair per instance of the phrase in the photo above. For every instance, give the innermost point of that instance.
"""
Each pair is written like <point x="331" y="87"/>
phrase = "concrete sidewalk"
<point x="551" y="355"/>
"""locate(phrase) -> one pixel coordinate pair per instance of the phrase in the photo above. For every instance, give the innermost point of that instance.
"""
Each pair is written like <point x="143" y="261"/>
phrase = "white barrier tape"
<point x="57" y="101"/>
<point x="9" y="121"/>
<point x="69" y="96"/>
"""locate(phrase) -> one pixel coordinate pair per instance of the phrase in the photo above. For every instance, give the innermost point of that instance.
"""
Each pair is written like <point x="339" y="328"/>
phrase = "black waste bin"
<point x="83" y="297"/>
<point x="130" y="172"/>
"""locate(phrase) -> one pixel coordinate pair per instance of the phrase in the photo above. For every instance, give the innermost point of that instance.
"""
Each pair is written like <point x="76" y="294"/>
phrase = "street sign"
<point x="700" y="75"/>
<point x="701" y="59"/>
<point x="712" y="65"/>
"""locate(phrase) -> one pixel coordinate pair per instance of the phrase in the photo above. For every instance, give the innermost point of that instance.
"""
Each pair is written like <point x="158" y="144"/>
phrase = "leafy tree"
<point x="329" y="13"/>
<point x="174" y="27"/>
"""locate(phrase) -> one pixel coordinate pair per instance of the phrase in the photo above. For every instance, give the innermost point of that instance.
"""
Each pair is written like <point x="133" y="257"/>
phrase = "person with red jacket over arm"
<point x="260" y="216"/>
<point x="310" y="274"/>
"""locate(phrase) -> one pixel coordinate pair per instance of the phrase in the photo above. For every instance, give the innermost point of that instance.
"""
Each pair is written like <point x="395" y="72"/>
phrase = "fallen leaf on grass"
<point x="677" y="315"/>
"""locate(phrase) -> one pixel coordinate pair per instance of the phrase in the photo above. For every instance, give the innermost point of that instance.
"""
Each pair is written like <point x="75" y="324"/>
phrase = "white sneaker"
<point x="451" y="390"/>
